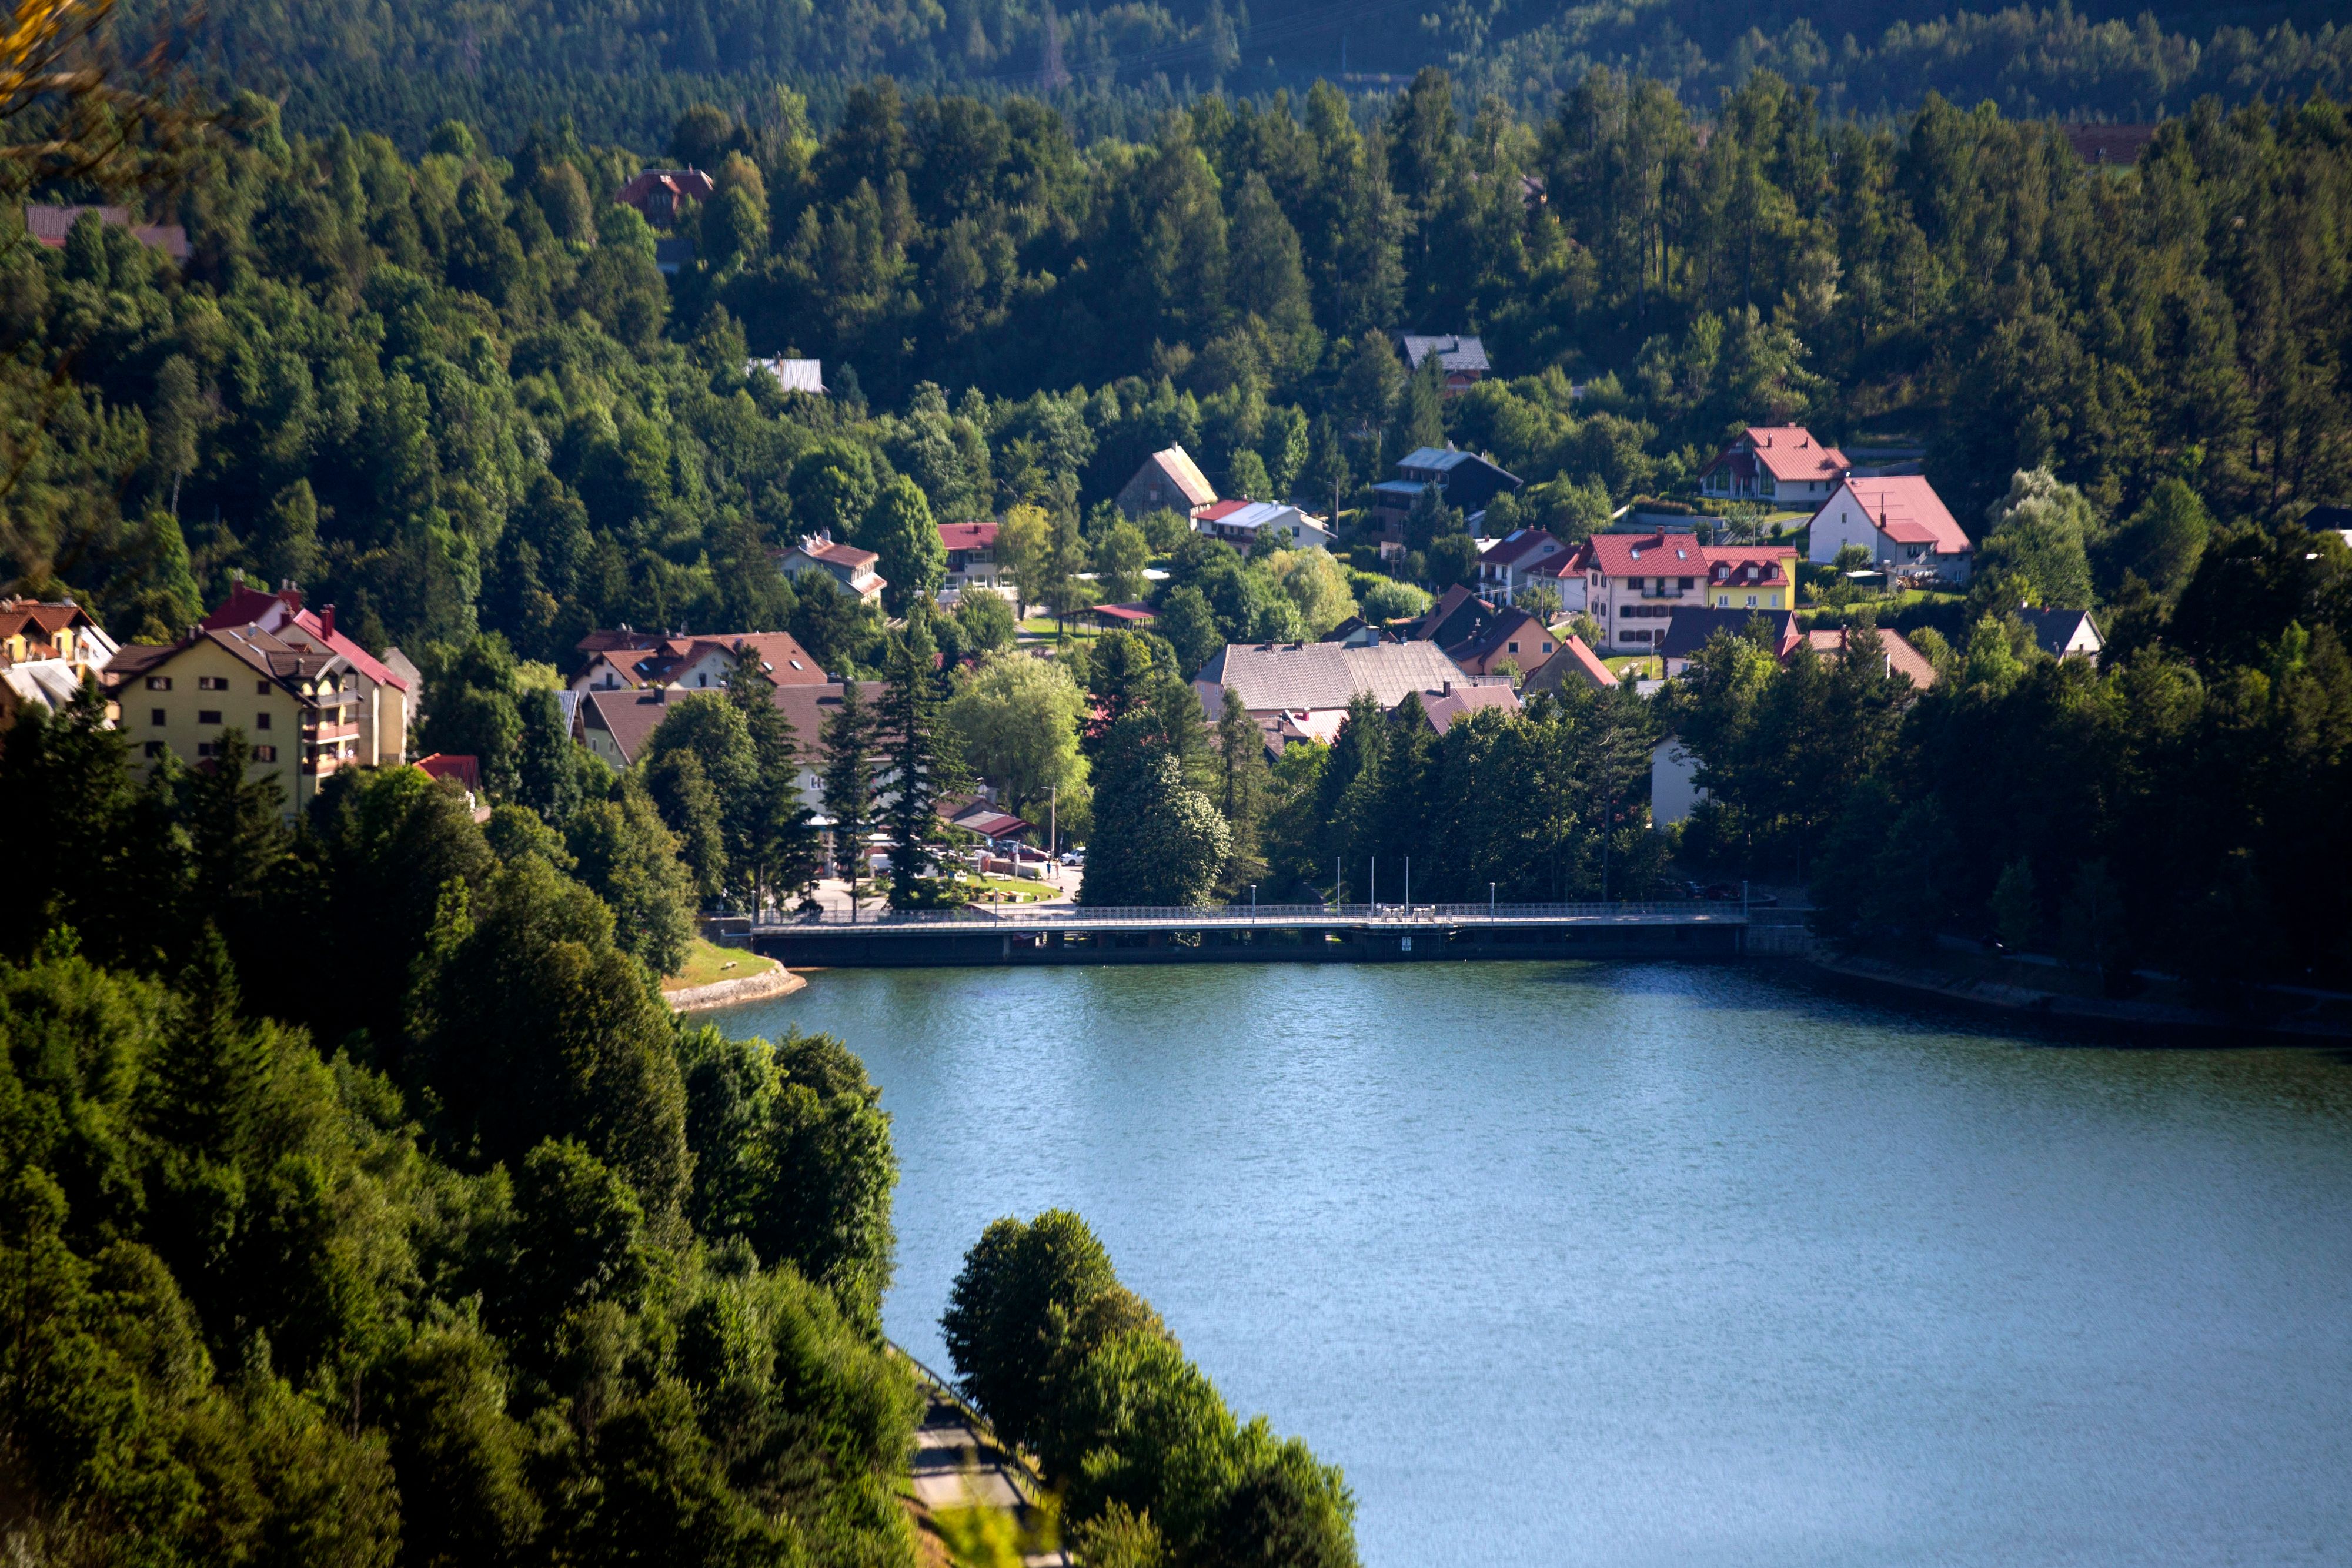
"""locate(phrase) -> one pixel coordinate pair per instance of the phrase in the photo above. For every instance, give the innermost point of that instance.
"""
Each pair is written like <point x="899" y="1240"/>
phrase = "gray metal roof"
<point x="1453" y="352"/>
<point x="1278" y="676"/>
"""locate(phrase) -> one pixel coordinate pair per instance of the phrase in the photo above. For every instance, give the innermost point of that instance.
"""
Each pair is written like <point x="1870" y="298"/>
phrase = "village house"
<point x="971" y="554"/>
<point x="659" y="193"/>
<point x="1300" y="691"/>
<point x="1451" y="702"/>
<point x="1239" y="524"/>
<point x="1634" y="583"/>
<point x="2064" y="633"/>
<point x="1575" y="662"/>
<point x="793" y="375"/>
<point x="298" y="707"/>
<point x="1456" y="617"/>
<point x="47" y="648"/>
<point x="1169" y="481"/>
<point x="1464" y="480"/>
<point x="47" y="224"/>
<point x="1520" y="560"/>
<point x="627" y="660"/>
<point x="388" y="687"/>
<point x="1693" y="625"/>
<point x="1461" y="359"/>
<point x="1514" y="638"/>
<point x="617" y="724"/>
<point x="845" y="564"/>
<point x="1895" y="652"/>
<point x="1900" y="521"/>
<point x="1781" y="465"/>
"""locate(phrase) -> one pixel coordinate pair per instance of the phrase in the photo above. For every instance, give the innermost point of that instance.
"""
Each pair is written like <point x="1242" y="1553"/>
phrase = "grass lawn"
<point x="706" y="963"/>
<point x="1009" y="889"/>
<point x="1646" y="666"/>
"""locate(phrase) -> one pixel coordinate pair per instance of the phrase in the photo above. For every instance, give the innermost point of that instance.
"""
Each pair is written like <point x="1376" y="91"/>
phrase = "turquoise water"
<point x="1660" y="1264"/>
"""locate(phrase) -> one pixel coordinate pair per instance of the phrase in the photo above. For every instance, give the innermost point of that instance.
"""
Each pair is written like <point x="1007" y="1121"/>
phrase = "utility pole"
<point x="1376" y="884"/>
<point x="1408" y="887"/>
<point x="1338" y="888"/>
<point x="1054" y="829"/>
<point x="1490" y="901"/>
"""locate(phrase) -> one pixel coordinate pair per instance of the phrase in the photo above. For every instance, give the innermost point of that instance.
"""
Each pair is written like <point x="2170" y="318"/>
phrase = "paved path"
<point x="959" y="1464"/>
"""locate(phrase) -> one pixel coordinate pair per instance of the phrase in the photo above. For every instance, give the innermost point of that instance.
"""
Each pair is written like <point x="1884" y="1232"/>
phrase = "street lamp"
<point x="1490" y="901"/>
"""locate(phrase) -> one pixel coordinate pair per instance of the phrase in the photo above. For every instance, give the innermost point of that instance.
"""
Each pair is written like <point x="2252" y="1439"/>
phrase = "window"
<point x="1546" y="647"/>
<point x="206" y="749"/>
<point x="261" y="688"/>
<point x="212" y="682"/>
<point x="1683" y="583"/>
<point x="208" y="715"/>
<point x="159" y="683"/>
<point x="155" y="716"/>
<point x="1515" y="647"/>
<point x="1751" y="601"/>
<point x="265" y="754"/>
<point x="154" y="748"/>
<point x="261" y="721"/>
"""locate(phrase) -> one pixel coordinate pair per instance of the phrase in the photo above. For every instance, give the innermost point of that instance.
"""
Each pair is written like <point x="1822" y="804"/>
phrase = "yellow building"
<point x="297" y="707"/>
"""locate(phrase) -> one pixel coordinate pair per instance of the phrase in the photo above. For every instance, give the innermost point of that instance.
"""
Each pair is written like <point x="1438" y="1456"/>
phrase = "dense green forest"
<point x="626" y="70"/>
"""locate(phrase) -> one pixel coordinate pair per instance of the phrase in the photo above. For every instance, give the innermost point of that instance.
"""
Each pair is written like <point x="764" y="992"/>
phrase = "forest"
<point x="627" y="71"/>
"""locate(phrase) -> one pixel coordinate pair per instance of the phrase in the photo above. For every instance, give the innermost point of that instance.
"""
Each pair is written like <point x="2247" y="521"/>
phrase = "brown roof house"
<point x="845" y="564"/>
<point x="658" y="193"/>
<point x="1573" y="663"/>
<point x="624" y="659"/>
<point x="617" y="724"/>
<point x="1451" y="702"/>
<point x="48" y="225"/>
<point x="1894" y="650"/>
<point x="298" y="705"/>
<point x="1513" y="638"/>
<point x="1169" y="481"/>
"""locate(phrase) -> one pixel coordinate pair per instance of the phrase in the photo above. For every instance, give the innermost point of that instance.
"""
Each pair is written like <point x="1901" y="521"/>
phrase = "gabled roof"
<point x="849" y="558"/>
<point x="968" y="536"/>
<point x="1445" y="459"/>
<point x="1786" y="452"/>
<point x="1908" y="510"/>
<point x="1645" y="555"/>
<point x="692" y="183"/>
<point x="276" y="612"/>
<point x="1510" y="622"/>
<point x="1524" y="544"/>
<point x="1691" y="627"/>
<point x="1442" y="706"/>
<point x="1453" y="352"/>
<point x="2053" y="629"/>
<point x="1574" y="661"/>
<point x="1303" y="676"/>
<point x="1177" y="464"/>
<point x="1749" y="566"/>
<point x="49" y="225"/>
<point x="1901" y="657"/>
<point x="287" y="662"/>
<point x="1447" y="619"/>
<point x="1218" y="511"/>
<point x="1246" y="514"/>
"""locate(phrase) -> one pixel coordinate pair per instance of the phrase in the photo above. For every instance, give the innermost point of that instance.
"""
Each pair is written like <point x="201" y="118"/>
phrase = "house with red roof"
<point x="1520" y="560"/>
<point x="1573" y="663"/>
<point x="1900" y="521"/>
<point x="624" y="660"/>
<point x="971" y="554"/>
<point x="1781" y="465"/>
<point x="384" y="702"/>
<point x="1450" y="701"/>
<point x="1634" y="583"/>
<point x="658" y="193"/>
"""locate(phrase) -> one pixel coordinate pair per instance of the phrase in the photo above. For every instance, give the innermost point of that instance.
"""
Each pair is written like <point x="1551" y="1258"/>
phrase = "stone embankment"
<point x="774" y="981"/>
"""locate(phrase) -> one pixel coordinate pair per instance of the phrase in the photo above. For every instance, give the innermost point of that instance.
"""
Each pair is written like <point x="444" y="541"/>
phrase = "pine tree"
<point x="780" y="853"/>
<point x="923" y="763"/>
<point x="849" y="795"/>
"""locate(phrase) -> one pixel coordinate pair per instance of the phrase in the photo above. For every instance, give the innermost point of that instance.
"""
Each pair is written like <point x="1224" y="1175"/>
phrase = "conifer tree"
<point x="923" y="763"/>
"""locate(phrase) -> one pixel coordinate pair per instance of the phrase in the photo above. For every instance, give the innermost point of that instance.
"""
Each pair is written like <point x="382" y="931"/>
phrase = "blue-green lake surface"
<point x="1659" y="1264"/>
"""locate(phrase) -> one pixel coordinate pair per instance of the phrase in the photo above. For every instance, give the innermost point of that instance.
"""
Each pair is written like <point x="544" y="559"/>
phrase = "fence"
<point x="1002" y="916"/>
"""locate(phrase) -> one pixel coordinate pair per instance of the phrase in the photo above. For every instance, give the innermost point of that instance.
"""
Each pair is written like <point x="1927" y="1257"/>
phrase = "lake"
<point x="1624" y="1264"/>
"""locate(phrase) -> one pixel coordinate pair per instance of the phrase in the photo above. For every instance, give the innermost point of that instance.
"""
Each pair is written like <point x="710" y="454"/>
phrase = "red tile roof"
<point x="1524" y="544"/>
<point x="249" y="606"/>
<point x="1217" y="511"/>
<point x="968" y="536"/>
<point x="1749" y="566"/>
<point x="1645" y="555"/>
<point x="1442" y="707"/>
<point x="1908" y="510"/>
<point x="466" y="770"/>
<point x="1789" y="451"/>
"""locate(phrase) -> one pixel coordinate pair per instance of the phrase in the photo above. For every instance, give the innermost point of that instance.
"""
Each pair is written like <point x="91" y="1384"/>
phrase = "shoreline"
<point x="2058" y="1007"/>
<point x="776" y="982"/>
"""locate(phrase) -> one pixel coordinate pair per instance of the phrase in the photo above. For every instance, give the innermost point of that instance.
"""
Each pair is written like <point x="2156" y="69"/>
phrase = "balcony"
<point x="323" y="732"/>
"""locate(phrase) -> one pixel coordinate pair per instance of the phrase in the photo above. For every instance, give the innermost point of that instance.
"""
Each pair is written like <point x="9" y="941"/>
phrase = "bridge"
<point x="1282" y="934"/>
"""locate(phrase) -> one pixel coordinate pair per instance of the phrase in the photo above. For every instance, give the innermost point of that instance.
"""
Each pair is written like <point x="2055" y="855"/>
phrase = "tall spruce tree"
<point x="924" y="763"/>
<point x="849" y="797"/>
<point x="777" y="850"/>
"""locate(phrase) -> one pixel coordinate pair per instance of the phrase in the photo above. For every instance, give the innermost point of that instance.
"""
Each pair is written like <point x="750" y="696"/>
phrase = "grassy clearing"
<point x="1646" y="666"/>
<point x="707" y="964"/>
<point x="1008" y="889"/>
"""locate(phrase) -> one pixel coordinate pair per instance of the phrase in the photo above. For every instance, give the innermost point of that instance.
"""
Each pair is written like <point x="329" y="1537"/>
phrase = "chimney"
<point x="327" y="621"/>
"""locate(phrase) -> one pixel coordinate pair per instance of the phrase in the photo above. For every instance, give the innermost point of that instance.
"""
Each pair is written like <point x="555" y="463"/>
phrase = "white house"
<point x="1239" y="523"/>
<point x="1781" y="465"/>
<point x="2064" y="634"/>
<point x="845" y="564"/>
<point x="1900" y="521"/>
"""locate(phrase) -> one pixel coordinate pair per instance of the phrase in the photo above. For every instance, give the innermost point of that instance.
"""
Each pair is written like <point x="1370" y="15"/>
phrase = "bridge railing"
<point x="1182" y="917"/>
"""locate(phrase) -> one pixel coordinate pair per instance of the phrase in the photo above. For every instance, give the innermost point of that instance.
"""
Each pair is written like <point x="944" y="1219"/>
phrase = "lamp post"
<point x="1490" y="901"/>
